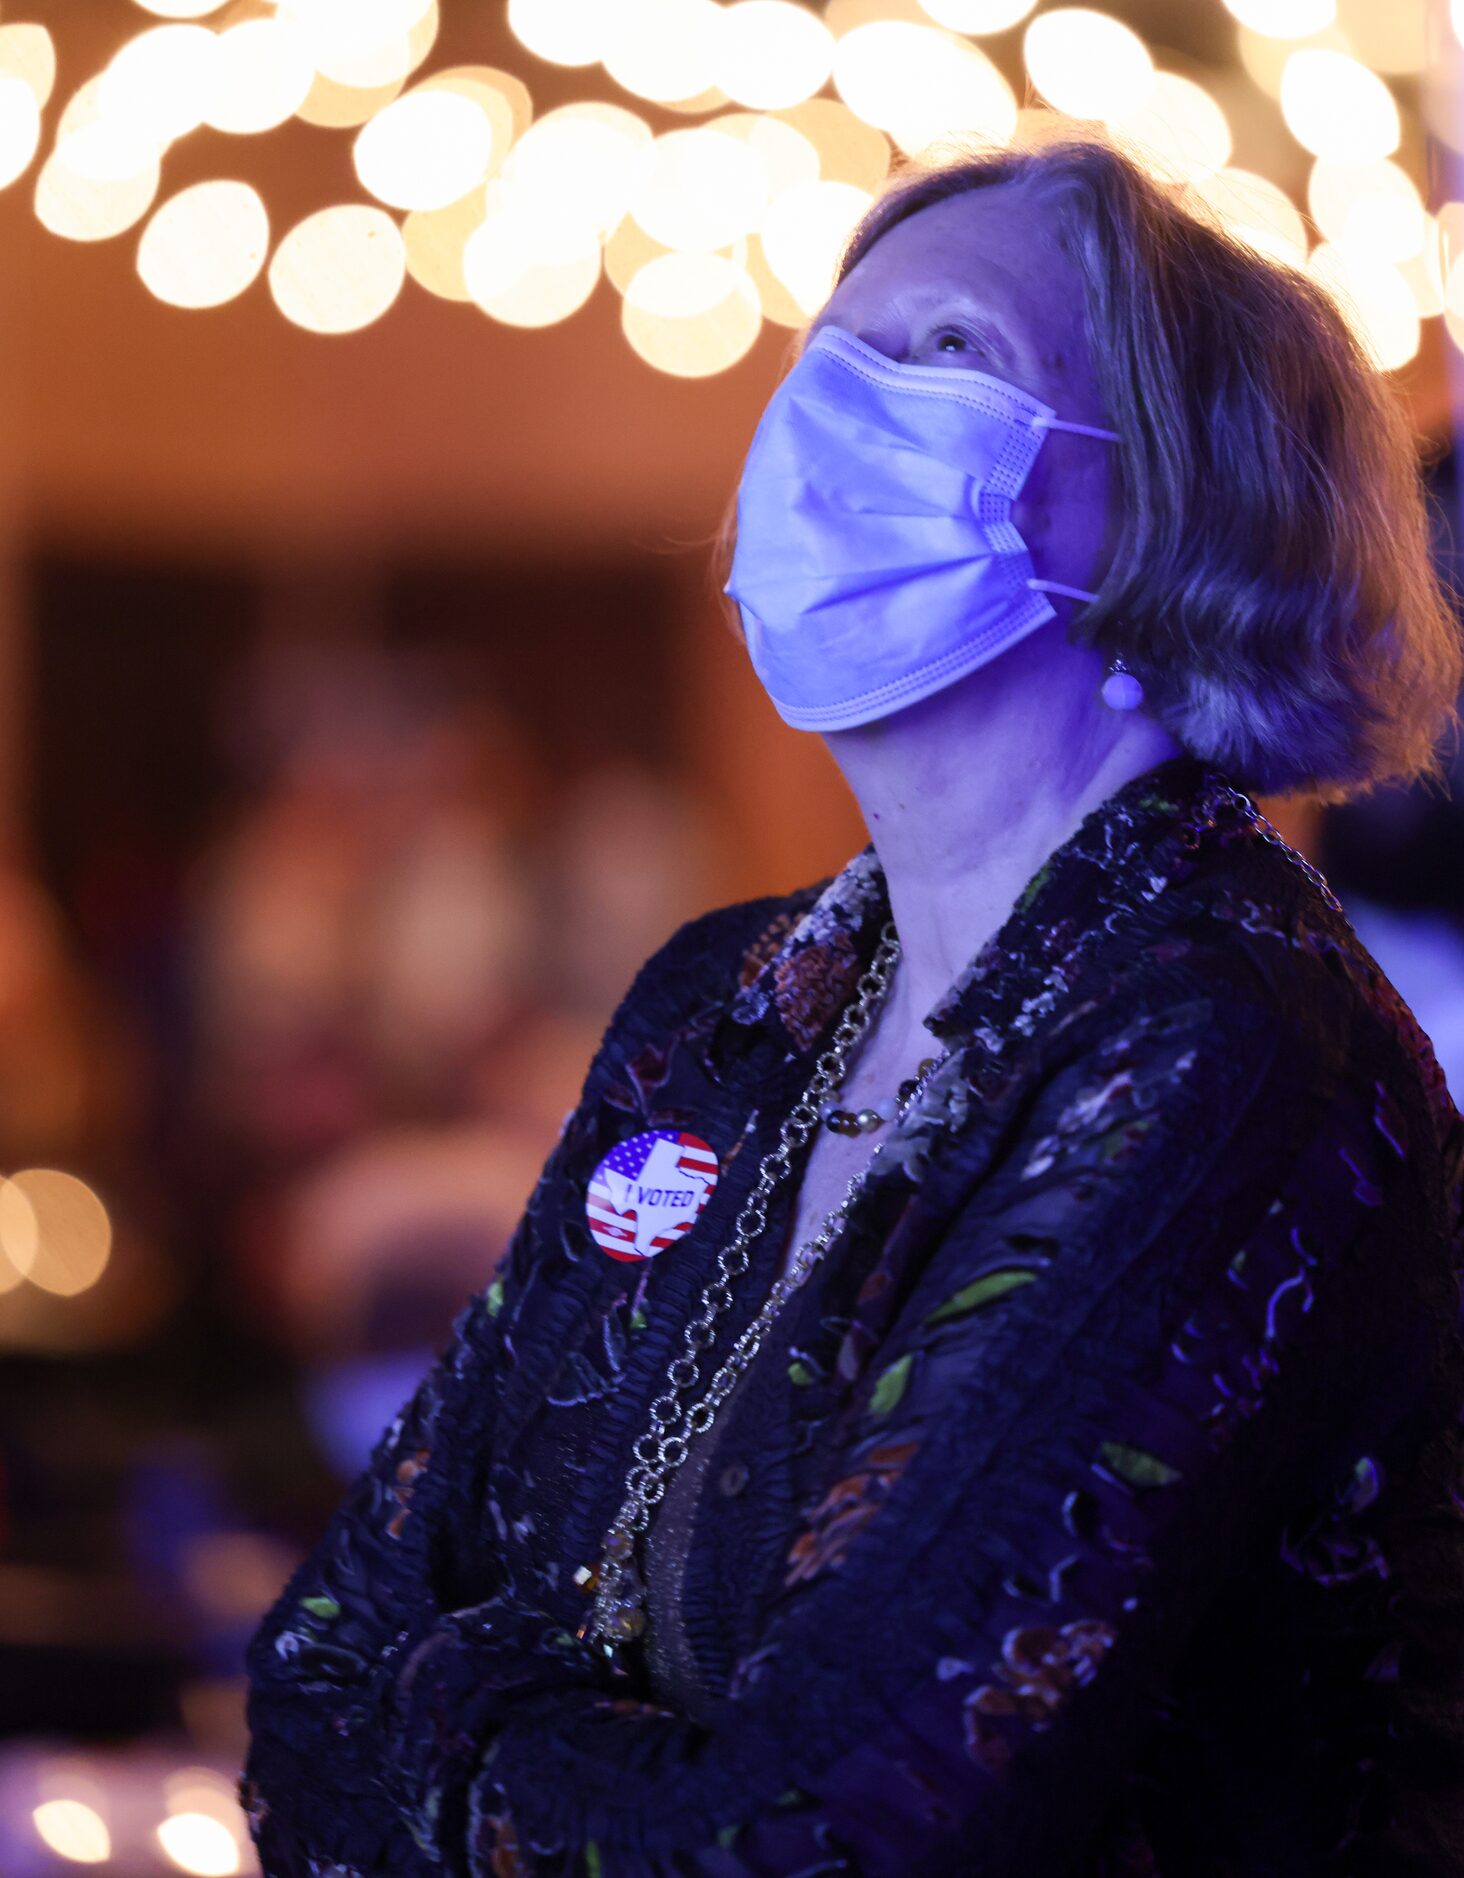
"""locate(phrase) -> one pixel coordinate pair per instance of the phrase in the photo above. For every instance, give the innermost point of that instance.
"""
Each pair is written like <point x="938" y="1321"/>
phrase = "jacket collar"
<point x="1123" y="854"/>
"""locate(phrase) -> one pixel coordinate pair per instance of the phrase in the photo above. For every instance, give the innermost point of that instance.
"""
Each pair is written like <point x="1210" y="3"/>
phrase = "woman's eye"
<point x="952" y="341"/>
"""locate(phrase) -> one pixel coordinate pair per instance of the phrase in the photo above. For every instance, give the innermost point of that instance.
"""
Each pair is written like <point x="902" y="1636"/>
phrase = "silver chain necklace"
<point x="1269" y="832"/>
<point x="619" y="1611"/>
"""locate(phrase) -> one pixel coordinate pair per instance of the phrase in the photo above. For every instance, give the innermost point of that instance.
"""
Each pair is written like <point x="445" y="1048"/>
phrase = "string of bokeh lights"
<point x="734" y="217"/>
<point x="91" y="1810"/>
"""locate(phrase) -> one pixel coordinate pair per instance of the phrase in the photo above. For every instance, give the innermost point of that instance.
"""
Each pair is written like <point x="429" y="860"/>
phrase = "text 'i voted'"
<point x="648" y="1191"/>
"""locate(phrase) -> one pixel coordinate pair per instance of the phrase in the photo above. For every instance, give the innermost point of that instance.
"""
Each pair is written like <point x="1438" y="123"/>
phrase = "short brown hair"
<point x="1272" y="585"/>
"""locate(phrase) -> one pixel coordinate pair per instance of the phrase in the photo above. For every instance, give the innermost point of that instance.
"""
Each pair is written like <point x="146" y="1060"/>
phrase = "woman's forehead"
<point x="989" y="241"/>
<point x="993" y="249"/>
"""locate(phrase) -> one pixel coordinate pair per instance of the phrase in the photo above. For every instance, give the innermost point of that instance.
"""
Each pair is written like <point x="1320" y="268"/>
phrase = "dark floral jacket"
<point x="1096" y="1507"/>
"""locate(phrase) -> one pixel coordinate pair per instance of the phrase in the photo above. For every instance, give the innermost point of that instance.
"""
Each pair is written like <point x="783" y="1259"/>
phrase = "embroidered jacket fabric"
<point x="1096" y="1508"/>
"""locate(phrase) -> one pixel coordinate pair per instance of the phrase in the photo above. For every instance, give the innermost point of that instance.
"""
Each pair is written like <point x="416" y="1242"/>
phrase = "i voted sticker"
<point x="648" y="1191"/>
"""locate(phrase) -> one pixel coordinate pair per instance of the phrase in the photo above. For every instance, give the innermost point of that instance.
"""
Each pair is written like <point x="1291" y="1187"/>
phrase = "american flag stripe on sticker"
<point x="648" y="1192"/>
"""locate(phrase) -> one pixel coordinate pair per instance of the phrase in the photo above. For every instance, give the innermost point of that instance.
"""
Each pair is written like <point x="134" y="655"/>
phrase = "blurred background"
<point x="373" y="377"/>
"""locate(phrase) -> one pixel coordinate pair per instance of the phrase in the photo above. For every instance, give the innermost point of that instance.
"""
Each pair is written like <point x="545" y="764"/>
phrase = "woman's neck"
<point x="966" y="795"/>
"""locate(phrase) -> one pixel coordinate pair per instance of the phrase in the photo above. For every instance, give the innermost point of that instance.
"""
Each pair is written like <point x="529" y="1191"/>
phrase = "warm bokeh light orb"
<point x="80" y="208"/>
<point x="264" y="75"/>
<point x="435" y="240"/>
<point x="523" y="273"/>
<point x="199" y="1844"/>
<point x="181" y="9"/>
<point x="73" y="1831"/>
<point x="203" y="1788"/>
<point x="332" y="106"/>
<point x="682" y="286"/>
<point x="92" y="147"/>
<point x="922" y="85"/>
<point x="20" y="1228"/>
<point x="501" y="249"/>
<point x="28" y="52"/>
<point x="878" y="68"/>
<point x="340" y="269"/>
<point x="1375" y="300"/>
<point x="691" y="315"/>
<point x="698" y="189"/>
<point x="770" y="54"/>
<point x="20" y="128"/>
<point x="787" y="156"/>
<point x="778" y="305"/>
<point x="390" y="63"/>
<point x="423" y="36"/>
<point x="502" y="99"/>
<point x="577" y="166"/>
<point x="72" y="1233"/>
<point x="1087" y="63"/>
<point x="20" y="1236"/>
<point x="365" y="44"/>
<point x="340" y="31"/>
<point x="849" y="150"/>
<point x="978" y="16"/>
<point x="1287" y="19"/>
<point x="563" y="32"/>
<point x="206" y="245"/>
<point x="1374" y="207"/>
<point x="1179" y="133"/>
<point x="805" y="232"/>
<point x="1391" y="38"/>
<point x="964" y="100"/>
<point x="663" y="50"/>
<point x="1254" y="210"/>
<point x="161" y="84"/>
<point x="425" y="150"/>
<point x="1336" y="108"/>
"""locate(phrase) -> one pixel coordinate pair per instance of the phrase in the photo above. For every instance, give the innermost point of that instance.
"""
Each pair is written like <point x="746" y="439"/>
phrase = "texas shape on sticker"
<point x="648" y="1191"/>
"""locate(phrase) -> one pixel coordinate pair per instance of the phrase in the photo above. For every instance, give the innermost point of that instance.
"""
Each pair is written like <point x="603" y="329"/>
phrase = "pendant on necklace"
<point x="864" y="1121"/>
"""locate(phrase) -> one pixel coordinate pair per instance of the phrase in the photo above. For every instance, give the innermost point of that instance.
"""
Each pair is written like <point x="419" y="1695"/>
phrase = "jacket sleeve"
<point x="1170" y="1303"/>
<point x="325" y="1660"/>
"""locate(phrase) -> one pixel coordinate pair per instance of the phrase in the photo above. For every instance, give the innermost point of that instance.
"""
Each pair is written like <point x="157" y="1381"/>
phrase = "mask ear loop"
<point x="1083" y="430"/>
<point x="1054" y="586"/>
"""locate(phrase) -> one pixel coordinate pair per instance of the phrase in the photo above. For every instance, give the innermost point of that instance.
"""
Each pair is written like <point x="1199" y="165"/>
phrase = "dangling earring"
<point x="1121" y="690"/>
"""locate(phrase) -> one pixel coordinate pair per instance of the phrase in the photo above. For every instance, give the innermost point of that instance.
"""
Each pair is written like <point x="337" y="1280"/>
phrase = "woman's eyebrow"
<point x="1001" y="345"/>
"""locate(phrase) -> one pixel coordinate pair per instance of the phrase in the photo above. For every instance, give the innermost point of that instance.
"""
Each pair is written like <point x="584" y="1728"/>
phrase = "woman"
<point x="1057" y="1212"/>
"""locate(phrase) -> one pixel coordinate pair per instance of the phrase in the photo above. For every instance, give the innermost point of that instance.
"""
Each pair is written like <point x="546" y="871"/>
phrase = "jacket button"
<point x="732" y="1479"/>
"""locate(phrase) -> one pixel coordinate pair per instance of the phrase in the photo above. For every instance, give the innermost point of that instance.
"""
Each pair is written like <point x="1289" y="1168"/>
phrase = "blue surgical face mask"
<point x="876" y="559"/>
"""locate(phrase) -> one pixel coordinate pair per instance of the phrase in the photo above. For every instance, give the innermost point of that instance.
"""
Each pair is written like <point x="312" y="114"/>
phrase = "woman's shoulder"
<point x="1263" y="929"/>
<point x="1244" y="980"/>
